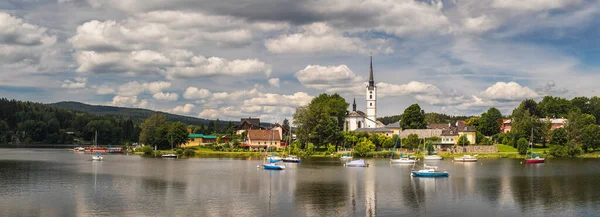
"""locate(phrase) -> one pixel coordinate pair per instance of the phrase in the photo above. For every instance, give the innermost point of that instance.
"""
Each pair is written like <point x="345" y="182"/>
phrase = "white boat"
<point x="97" y="157"/>
<point x="346" y="158"/>
<point x="466" y="158"/>
<point x="432" y="157"/>
<point x="291" y="159"/>
<point x="81" y="149"/>
<point x="403" y="160"/>
<point x="169" y="156"/>
<point x="357" y="163"/>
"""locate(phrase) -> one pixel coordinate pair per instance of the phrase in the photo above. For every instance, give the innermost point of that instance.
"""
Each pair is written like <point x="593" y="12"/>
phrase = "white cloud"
<point x="75" y="83"/>
<point x="509" y="91"/>
<point x="331" y="79"/>
<point x="319" y="37"/>
<point x="297" y="99"/>
<point x="166" y="96"/>
<point x="209" y="113"/>
<point x="274" y="82"/>
<point x="235" y="95"/>
<point x="129" y="101"/>
<point x="533" y="5"/>
<point x="135" y="88"/>
<point x="104" y="90"/>
<point x="185" y="109"/>
<point x="199" y="66"/>
<point x="413" y="87"/>
<point x="195" y="93"/>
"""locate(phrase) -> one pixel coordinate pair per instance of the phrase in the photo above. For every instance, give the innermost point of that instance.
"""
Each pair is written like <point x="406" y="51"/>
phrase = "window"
<point x="370" y="104"/>
<point x="370" y="92"/>
<point x="370" y="96"/>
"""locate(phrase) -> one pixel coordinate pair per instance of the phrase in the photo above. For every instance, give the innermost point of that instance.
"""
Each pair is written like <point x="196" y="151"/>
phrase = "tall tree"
<point x="489" y="123"/>
<point x="178" y="133"/>
<point x="154" y="131"/>
<point x="590" y="137"/>
<point x="582" y="103"/>
<point x="413" y="118"/>
<point x="554" y="107"/>
<point x="321" y="122"/>
<point x="286" y="125"/>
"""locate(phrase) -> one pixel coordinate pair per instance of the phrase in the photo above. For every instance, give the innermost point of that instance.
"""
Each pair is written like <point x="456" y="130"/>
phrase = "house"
<point x="261" y="139"/>
<point x="505" y="127"/>
<point x="449" y="138"/>
<point x="210" y="139"/>
<point x="422" y="133"/>
<point x="380" y="130"/>
<point x="394" y="127"/>
<point x="199" y="139"/>
<point x="464" y="130"/>
<point x="248" y="124"/>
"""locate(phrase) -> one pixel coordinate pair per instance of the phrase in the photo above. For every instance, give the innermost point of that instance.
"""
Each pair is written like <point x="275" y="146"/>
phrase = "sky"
<point x="229" y="59"/>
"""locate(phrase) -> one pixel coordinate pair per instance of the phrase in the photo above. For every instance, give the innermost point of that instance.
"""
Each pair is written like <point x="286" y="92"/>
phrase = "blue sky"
<point x="229" y="59"/>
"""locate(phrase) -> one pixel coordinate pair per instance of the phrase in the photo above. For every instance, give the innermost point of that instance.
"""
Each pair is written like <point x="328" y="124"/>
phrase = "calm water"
<point x="63" y="183"/>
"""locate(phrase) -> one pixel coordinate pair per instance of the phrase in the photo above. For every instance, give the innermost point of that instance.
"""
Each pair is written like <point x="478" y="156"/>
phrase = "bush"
<point x="146" y="149"/>
<point x="463" y="140"/>
<point x="363" y="147"/>
<point x="505" y="141"/>
<point x="486" y="141"/>
<point x="179" y="152"/>
<point x="522" y="145"/>
<point x="571" y="149"/>
<point x="189" y="152"/>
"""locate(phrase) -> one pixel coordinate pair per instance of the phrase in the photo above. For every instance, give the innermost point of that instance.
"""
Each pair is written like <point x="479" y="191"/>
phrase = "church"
<point x="359" y="120"/>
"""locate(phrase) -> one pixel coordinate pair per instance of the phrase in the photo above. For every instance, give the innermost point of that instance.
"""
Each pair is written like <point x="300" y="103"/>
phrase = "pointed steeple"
<point x="354" y="105"/>
<point x="371" y="82"/>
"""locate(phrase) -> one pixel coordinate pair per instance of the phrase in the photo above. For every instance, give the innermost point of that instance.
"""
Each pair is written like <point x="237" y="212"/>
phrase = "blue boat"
<point x="272" y="166"/>
<point x="274" y="160"/>
<point x="430" y="173"/>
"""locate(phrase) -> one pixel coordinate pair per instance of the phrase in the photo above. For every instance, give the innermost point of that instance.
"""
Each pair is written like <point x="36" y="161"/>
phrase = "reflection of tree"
<point x="322" y="197"/>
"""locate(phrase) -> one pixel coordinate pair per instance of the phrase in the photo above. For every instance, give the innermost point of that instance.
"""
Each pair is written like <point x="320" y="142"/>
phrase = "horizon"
<point x="216" y="60"/>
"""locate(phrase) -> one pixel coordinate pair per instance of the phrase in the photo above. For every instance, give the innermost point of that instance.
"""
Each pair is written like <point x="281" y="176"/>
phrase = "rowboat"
<point x="291" y="159"/>
<point x="273" y="166"/>
<point x="465" y="158"/>
<point x="357" y="163"/>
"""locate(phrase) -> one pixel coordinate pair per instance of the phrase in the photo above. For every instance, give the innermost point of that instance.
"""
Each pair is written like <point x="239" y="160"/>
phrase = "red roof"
<point x="264" y="135"/>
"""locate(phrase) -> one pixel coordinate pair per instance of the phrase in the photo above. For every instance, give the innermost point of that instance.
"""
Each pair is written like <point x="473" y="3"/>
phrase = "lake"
<point x="43" y="182"/>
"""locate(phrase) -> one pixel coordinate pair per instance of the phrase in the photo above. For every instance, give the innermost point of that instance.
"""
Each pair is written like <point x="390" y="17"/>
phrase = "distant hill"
<point x="134" y="113"/>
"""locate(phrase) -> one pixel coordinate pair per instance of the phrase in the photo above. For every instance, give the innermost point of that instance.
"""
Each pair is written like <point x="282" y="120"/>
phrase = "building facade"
<point x="358" y="119"/>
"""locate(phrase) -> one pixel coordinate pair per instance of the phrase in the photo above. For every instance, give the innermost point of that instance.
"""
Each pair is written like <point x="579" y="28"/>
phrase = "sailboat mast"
<point x="96" y="139"/>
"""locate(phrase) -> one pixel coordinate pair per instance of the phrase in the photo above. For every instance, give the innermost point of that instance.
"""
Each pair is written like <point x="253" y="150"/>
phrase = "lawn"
<point x="506" y="148"/>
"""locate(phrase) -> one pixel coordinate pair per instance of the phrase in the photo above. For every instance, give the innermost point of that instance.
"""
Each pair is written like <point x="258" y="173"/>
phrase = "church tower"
<point x="371" y="100"/>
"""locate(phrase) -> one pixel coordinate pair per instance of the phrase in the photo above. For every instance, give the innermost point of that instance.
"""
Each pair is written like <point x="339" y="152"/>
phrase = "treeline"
<point x="429" y="118"/>
<point x="29" y="122"/>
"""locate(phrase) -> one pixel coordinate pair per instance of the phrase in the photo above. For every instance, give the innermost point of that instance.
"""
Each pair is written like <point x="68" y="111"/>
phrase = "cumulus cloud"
<point x="509" y="91"/>
<point x="135" y="88"/>
<point x="319" y="37"/>
<point x="330" y="78"/>
<point x="235" y="95"/>
<point x="199" y="66"/>
<point x="184" y="109"/>
<point x="533" y="5"/>
<point x="274" y="82"/>
<point x="195" y="93"/>
<point x="75" y="83"/>
<point x="297" y="99"/>
<point x="166" y="96"/>
<point x="129" y="101"/>
<point x="104" y="90"/>
<point x="413" y="87"/>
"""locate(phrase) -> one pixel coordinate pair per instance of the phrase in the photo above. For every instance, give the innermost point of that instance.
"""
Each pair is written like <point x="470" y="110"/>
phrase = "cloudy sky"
<point x="263" y="58"/>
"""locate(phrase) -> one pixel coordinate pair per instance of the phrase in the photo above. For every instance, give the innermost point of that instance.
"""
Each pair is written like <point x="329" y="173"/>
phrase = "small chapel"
<point x="359" y="120"/>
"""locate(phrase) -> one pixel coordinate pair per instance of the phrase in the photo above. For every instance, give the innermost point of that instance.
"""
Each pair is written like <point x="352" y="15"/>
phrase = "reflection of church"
<point x="358" y="119"/>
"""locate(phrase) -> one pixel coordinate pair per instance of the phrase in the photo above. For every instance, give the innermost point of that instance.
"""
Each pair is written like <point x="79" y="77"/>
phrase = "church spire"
<point x="354" y="105"/>
<point x="371" y="82"/>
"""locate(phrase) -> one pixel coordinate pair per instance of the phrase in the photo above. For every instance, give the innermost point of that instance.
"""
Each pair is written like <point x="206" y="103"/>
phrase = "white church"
<point x="358" y="120"/>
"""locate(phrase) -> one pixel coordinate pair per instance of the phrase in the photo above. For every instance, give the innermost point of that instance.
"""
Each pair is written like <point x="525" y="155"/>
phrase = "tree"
<point x="472" y="121"/>
<point x="522" y="146"/>
<point x="286" y="125"/>
<point x="154" y="131"/>
<point x="582" y="103"/>
<point x="413" y="118"/>
<point x="321" y="122"/>
<point x="363" y="147"/>
<point x="554" y="107"/>
<point x="559" y="137"/>
<point x="3" y="132"/>
<point x="590" y="137"/>
<point x="489" y="123"/>
<point x="411" y="142"/>
<point x="463" y="140"/>
<point x="576" y="123"/>
<point x="570" y="149"/>
<point x="429" y="147"/>
<point x="178" y="133"/>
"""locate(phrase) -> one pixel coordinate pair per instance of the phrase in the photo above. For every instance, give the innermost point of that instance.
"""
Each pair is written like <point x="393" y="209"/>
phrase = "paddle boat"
<point x="291" y="159"/>
<point x="465" y="158"/>
<point x="273" y="166"/>
<point x="357" y="163"/>
<point x="97" y="157"/>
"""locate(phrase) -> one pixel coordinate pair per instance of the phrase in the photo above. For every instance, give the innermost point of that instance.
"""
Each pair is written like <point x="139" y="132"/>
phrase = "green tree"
<point x="411" y="142"/>
<point x="154" y="131"/>
<point x="577" y="121"/>
<point x="522" y="146"/>
<point x="286" y="125"/>
<point x="363" y="147"/>
<point x="178" y="134"/>
<point x="554" y="106"/>
<point x="463" y="140"/>
<point x="582" y="103"/>
<point x="429" y="147"/>
<point x="431" y="118"/>
<point x="489" y="123"/>
<point x="472" y="121"/>
<point x="559" y="137"/>
<point x="591" y="137"/>
<point x="321" y="121"/>
<point x="413" y="118"/>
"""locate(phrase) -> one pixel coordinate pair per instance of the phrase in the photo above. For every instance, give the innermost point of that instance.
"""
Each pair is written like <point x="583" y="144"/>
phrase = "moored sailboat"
<point x="533" y="158"/>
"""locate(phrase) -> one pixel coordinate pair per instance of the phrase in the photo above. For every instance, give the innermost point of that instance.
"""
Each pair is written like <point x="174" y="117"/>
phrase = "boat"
<point x="170" y="155"/>
<point x="465" y="158"/>
<point x="432" y="157"/>
<point x="357" y="163"/>
<point x="273" y="166"/>
<point x="291" y="159"/>
<point x="429" y="173"/>
<point x="533" y="158"/>
<point x="403" y="160"/>
<point x="97" y="157"/>
<point x="346" y="157"/>
<point x="80" y="149"/>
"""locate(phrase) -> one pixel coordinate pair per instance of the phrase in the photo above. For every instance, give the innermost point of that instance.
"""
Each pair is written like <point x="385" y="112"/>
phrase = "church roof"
<point x="374" y="130"/>
<point x="356" y="114"/>
<point x="393" y="125"/>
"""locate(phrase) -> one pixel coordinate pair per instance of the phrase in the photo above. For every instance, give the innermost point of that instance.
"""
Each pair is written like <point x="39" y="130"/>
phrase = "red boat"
<point x="535" y="160"/>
